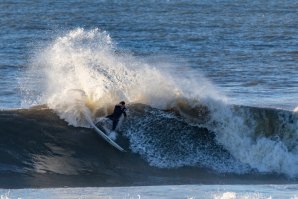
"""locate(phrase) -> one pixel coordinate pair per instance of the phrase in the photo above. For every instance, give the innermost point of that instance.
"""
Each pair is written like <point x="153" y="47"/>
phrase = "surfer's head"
<point x="122" y="103"/>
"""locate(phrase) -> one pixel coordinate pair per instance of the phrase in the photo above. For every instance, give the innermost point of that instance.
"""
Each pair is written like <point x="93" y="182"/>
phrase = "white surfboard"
<point x="100" y="132"/>
<point x="106" y="138"/>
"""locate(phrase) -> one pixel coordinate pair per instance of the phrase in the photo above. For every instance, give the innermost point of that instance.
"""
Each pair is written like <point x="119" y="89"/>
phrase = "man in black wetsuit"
<point x="118" y="111"/>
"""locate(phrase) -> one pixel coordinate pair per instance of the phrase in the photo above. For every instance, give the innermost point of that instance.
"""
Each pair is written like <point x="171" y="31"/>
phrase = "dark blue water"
<point x="248" y="49"/>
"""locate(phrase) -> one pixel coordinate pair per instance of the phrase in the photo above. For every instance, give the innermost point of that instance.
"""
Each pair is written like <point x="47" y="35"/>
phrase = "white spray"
<point x="84" y="70"/>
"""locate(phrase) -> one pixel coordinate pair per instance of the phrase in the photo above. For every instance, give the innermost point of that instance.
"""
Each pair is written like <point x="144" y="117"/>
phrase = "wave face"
<point x="232" y="139"/>
<point x="175" y="120"/>
<point x="36" y="142"/>
<point x="168" y="141"/>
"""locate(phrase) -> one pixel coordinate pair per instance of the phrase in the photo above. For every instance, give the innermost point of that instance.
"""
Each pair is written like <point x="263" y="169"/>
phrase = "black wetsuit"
<point x="115" y="116"/>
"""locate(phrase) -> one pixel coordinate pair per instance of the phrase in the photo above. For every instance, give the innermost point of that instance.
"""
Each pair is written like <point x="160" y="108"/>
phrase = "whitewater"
<point x="82" y="72"/>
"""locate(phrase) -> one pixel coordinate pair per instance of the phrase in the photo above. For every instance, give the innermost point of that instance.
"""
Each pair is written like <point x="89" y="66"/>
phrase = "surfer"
<point x="118" y="111"/>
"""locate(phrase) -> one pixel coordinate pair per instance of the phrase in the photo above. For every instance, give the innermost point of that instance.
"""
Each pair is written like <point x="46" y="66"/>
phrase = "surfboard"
<point x="106" y="138"/>
<point x="101" y="132"/>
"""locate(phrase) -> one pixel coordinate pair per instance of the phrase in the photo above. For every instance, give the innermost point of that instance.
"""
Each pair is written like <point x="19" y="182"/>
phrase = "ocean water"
<point x="209" y="84"/>
<point x="182" y="191"/>
<point x="247" y="49"/>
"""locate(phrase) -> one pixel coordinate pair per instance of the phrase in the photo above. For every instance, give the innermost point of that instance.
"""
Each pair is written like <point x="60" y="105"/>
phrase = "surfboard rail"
<point x="106" y="138"/>
<point x="100" y="132"/>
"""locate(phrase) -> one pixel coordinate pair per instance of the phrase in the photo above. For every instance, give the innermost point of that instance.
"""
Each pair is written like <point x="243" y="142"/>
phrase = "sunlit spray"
<point x="87" y="66"/>
<point x="82" y="73"/>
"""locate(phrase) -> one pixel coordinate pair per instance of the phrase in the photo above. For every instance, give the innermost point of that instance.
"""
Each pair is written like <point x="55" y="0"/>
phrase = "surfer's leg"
<point x="115" y="122"/>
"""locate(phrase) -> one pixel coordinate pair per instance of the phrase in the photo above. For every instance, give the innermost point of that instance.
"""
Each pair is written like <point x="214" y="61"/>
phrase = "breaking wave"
<point x="184" y="120"/>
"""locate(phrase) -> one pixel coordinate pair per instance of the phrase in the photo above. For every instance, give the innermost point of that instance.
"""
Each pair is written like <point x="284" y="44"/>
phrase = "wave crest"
<point x="88" y="61"/>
